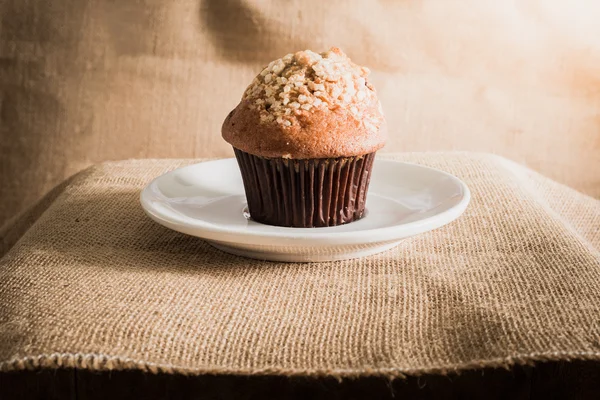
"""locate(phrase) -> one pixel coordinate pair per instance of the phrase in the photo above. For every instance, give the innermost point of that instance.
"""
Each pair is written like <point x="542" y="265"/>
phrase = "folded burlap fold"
<point x="96" y="284"/>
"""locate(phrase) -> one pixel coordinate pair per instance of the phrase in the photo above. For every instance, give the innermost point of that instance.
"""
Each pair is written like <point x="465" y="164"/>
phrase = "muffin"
<point x="305" y="135"/>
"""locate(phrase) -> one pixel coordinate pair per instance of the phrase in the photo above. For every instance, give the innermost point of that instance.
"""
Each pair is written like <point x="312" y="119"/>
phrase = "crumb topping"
<point x="305" y="81"/>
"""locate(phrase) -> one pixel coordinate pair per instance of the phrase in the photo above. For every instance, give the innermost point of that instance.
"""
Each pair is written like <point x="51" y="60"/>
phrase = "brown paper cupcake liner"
<point x="305" y="193"/>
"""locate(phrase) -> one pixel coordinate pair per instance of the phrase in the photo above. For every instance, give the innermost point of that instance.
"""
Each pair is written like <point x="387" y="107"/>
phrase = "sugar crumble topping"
<point x="306" y="81"/>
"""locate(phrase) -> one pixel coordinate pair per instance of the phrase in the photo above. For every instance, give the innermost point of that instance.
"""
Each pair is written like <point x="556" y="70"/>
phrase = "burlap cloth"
<point x="88" y="81"/>
<point x="96" y="284"/>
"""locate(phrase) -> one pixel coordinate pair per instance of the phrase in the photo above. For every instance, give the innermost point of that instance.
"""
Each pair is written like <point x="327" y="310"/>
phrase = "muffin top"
<point x="308" y="105"/>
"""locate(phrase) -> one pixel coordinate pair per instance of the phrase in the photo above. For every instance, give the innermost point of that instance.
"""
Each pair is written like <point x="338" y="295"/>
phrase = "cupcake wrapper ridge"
<point x="305" y="193"/>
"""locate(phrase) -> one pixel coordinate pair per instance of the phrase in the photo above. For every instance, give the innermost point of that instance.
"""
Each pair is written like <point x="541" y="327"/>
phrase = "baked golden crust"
<point x="316" y="134"/>
<point x="308" y="105"/>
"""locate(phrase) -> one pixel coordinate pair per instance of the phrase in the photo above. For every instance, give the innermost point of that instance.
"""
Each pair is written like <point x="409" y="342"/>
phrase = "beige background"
<point x="87" y="81"/>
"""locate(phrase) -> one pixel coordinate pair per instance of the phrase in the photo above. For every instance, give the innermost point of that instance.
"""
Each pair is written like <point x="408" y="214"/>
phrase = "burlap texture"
<point x="84" y="81"/>
<point x="96" y="284"/>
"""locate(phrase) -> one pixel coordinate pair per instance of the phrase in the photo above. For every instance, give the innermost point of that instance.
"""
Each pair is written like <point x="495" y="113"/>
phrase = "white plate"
<point x="207" y="200"/>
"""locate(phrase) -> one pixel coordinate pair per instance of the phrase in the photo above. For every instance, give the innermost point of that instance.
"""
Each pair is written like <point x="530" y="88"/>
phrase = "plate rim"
<point x="307" y="236"/>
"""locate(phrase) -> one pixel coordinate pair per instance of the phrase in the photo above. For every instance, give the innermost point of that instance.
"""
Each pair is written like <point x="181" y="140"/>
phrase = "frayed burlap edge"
<point x="104" y="363"/>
